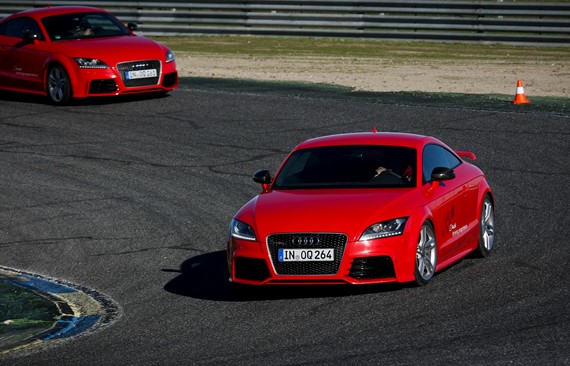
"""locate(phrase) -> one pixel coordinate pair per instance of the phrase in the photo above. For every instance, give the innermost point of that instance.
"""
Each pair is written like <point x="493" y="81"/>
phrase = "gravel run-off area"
<point x="540" y="78"/>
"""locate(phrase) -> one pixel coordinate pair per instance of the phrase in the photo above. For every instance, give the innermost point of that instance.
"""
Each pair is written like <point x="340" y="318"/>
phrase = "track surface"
<point x="134" y="197"/>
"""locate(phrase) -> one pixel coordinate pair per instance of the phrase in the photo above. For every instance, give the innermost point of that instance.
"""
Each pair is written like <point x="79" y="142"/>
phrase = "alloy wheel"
<point x="59" y="89"/>
<point x="487" y="225"/>
<point x="426" y="253"/>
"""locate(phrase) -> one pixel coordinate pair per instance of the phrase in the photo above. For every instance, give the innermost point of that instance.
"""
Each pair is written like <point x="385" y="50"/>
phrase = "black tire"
<point x="426" y="255"/>
<point x="486" y="228"/>
<point x="58" y="86"/>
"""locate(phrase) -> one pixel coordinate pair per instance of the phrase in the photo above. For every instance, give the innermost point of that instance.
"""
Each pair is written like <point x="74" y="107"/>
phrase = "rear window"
<point x="349" y="167"/>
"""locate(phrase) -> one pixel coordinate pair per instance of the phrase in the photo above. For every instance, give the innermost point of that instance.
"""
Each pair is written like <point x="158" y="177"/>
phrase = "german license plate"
<point x="306" y="255"/>
<point x="141" y="74"/>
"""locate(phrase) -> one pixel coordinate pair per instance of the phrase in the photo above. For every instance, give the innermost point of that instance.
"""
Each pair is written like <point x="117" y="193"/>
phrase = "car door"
<point x="24" y="49"/>
<point x="464" y="195"/>
<point x="444" y="200"/>
<point x="469" y="205"/>
<point x="3" y="55"/>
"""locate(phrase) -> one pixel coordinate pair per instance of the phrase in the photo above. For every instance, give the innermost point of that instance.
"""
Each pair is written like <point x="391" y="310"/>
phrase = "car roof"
<point x="370" y="138"/>
<point x="39" y="13"/>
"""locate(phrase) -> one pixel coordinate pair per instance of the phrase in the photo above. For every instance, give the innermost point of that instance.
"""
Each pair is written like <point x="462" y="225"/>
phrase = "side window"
<point x="17" y="27"/>
<point x="453" y="160"/>
<point x="437" y="156"/>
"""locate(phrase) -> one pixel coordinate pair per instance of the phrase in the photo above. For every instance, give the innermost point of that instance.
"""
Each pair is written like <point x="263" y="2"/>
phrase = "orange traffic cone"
<point x="520" y="98"/>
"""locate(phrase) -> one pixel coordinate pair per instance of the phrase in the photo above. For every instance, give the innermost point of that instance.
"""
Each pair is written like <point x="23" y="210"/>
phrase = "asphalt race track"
<point x="133" y="198"/>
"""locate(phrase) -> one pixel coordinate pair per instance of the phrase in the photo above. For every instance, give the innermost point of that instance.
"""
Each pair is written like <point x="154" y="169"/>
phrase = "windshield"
<point x="83" y="25"/>
<point x="349" y="167"/>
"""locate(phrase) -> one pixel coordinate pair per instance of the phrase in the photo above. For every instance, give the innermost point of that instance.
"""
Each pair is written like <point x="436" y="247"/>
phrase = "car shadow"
<point x="10" y="96"/>
<point x="205" y="277"/>
<point x="38" y="99"/>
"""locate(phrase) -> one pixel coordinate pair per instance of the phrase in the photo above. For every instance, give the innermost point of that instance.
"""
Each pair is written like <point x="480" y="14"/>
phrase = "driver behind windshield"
<point x="81" y="28"/>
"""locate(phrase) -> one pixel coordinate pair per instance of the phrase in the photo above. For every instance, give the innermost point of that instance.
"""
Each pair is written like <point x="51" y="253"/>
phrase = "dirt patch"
<point x="539" y="78"/>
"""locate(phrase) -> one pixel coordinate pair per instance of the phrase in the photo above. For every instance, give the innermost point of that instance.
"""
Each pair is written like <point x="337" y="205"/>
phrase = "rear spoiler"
<point x="466" y="154"/>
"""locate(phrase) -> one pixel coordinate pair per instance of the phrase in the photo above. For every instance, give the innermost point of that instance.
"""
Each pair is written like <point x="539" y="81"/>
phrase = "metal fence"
<point x="538" y="23"/>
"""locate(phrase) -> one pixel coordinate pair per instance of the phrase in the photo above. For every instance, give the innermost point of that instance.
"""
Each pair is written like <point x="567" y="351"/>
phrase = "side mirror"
<point x="262" y="177"/>
<point x="440" y="174"/>
<point x="132" y="27"/>
<point x="28" y="35"/>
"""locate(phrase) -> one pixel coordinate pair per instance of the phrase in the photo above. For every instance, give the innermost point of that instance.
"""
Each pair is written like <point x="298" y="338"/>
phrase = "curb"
<point x="82" y="310"/>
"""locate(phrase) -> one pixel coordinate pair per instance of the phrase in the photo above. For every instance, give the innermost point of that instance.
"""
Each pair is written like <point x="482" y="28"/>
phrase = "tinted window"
<point x="83" y="25"/>
<point x="435" y="156"/>
<point x="19" y="26"/>
<point x="348" y="167"/>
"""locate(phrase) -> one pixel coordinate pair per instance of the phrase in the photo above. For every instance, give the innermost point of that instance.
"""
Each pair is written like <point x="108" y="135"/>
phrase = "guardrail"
<point x="528" y="23"/>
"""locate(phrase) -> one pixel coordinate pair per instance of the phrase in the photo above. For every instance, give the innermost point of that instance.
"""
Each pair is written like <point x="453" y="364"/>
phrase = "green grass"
<point x="23" y="314"/>
<point x="353" y="48"/>
<point x="18" y="303"/>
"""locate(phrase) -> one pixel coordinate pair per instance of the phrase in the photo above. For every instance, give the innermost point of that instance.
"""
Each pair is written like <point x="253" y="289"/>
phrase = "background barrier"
<point x="527" y="23"/>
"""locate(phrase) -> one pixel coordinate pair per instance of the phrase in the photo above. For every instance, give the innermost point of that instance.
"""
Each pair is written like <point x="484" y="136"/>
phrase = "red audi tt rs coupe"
<point x="362" y="208"/>
<point x="77" y="52"/>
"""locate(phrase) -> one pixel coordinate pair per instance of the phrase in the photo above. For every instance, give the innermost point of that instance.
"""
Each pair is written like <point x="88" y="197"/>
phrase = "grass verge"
<point x="23" y="314"/>
<point x="394" y="51"/>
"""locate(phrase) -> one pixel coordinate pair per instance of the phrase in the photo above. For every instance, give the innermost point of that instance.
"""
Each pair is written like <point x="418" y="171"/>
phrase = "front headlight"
<point x="241" y="230"/>
<point x="169" y="56"/>
<point x="91" y="63"/>
<point x="384" y="229"/>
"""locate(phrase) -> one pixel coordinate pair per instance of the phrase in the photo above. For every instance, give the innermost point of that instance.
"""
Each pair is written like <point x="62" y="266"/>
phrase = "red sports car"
<point x="77" y="52"/>
<point x="362" y="208"/>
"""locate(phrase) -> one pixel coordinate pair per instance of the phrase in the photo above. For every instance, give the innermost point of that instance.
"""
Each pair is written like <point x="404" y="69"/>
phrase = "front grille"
<point x="372" y="267"/>
<point x="138" y="66"/>
<point x="252" y="269"/>
<point x="320" y="241"/>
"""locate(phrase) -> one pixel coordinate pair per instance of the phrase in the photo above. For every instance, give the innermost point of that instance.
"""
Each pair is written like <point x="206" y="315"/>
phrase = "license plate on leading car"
<point x="306" y="255"/>
<point x="141" y="74"/>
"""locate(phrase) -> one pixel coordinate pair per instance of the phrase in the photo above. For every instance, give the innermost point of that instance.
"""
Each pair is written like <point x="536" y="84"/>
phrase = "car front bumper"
<point x="113" y="81"/>
<point x="362" y="262"/>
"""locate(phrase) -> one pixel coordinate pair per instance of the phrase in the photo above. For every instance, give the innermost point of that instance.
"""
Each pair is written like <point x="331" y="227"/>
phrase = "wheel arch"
<point x="482" y="250"/>
<point x="405" y="271"/>
<point x="485" y="191"/>
<point x="68" y="66"/>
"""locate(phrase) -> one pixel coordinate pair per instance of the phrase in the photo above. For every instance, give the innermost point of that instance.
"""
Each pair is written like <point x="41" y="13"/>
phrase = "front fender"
<point x="72" y="73"/>
<point x="484" y="190"/>
<point x="406" y="264"/>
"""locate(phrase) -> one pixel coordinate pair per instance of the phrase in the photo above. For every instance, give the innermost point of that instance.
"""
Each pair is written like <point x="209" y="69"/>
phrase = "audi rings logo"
<point x="306" y="240"/>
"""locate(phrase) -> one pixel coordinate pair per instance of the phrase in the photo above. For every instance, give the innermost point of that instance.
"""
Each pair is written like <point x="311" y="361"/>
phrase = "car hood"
<point x="348" y="211"/>
<point x="113" y="50"/>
